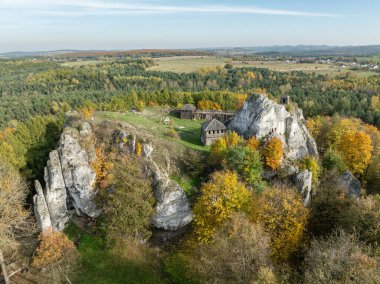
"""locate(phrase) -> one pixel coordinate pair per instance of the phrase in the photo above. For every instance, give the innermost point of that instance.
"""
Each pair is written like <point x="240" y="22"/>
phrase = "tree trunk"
<point x="3" y="268"/>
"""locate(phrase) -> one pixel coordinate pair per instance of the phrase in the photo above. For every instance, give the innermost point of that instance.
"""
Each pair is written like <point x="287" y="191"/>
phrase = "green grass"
<point x="100" y="265"/>
<point x="188" y="130"/>
<point x="187" y="64"/>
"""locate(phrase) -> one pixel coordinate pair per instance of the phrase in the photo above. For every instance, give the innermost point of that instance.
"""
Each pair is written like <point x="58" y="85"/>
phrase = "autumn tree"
<point x="339" y="258"/>
<point x="272" y="153"/>
<point x="218" y="152"/>
<point x="56" y="255"/>
<point x="16" y="227"/>
<point x="222" y="195"/>
<point x="310" y="163"/>
<point x="356" y="149"/>
<point x="129" y="207"/>
<point x="253" y="143"/>
<point x="102" y="167"/>
<point x="283" y="216"/>
<point x="208" y="105"/>
<point x="239" y="253"/>
<point x="332" y="203"/>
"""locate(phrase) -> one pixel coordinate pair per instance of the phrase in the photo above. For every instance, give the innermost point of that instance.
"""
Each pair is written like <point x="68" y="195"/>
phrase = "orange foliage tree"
<point x="54" y="246"/>
<point x="273" y="153"/>
<point x="356" y="148"/>
<point x="102" y="168"/>
<point x="253" y="143"/>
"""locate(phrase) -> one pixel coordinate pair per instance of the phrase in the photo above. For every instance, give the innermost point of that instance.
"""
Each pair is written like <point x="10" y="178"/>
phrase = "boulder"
<point x="261" y="117"/>
<point x="350" y="183"/>
<point x="172" y="210"/>
<point x="303" y="183"/>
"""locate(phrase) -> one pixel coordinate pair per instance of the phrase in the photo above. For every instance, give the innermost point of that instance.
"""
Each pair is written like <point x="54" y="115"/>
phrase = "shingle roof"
<point x="213" y="125"/>
<point x="188" y="107"/>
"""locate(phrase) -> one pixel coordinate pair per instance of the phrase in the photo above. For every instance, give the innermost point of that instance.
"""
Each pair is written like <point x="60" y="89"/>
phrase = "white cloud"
<point x="88" y="7"/>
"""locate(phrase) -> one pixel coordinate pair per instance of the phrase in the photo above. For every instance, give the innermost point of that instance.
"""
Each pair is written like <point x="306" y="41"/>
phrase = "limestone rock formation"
<point x="79" y="177"/>
<point x="69" y="182"/>
<point x="172" y="207"/>
<point x="261" y="117"/>
<point x="350" y="183"/>
<point x="303" y="183"/>
<point x="41" y="210"/>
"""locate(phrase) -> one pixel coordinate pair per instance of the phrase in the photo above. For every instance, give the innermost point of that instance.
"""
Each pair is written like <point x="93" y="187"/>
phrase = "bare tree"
<point x="15" y="221"/>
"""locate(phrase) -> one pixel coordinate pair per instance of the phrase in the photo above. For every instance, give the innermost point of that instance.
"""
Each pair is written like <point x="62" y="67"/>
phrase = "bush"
<point x="238" y="254"/>
<point x="339" y="259"/>
<point x="56" y="255"/>
<point x="333" y="160"/>
<point x="333" y="204"/>
<point x="129" y="208"/>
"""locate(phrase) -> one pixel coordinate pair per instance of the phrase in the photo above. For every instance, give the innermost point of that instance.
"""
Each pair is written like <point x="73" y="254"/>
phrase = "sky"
<point x="30" y="25"/>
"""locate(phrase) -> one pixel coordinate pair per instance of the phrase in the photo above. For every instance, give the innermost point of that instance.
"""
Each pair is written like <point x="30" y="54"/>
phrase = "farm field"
<point x="187" y="64"/>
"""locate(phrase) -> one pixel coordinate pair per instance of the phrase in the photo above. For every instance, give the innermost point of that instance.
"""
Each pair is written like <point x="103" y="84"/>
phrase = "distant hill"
<point x="296" y="50"/>
<point x="305" y="50"/>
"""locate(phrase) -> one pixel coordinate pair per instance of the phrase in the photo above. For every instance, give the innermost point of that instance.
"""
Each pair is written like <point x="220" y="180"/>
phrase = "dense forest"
<point x="33" y="87"/>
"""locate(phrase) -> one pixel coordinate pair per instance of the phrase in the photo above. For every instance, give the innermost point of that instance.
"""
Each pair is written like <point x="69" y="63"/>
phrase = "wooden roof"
<point x="188" y="107"/>
<point x="213" y="125"/>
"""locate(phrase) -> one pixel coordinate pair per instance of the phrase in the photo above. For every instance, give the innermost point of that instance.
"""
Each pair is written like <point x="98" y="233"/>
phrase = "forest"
<point x="32" y="87"/>
<point x="246" y="228"/>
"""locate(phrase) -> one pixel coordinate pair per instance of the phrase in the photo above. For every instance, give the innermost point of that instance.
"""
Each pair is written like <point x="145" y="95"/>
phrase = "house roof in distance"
<point x="188" y="107"/>
<point x="213" y="125"/>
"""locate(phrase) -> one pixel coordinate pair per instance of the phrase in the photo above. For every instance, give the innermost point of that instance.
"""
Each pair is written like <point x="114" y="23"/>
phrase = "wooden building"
<point x="211" y="131"/>
<point x="189" y="111"/>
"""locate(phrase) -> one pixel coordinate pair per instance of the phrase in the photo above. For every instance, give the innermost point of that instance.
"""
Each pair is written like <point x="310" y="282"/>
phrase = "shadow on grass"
<point x="100" y="265"/>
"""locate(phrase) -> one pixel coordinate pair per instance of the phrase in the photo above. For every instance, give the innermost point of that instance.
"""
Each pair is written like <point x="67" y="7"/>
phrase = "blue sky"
<point x="120" y="24"/>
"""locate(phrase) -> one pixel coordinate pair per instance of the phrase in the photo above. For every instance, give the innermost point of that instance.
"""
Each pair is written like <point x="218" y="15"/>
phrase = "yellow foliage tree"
<point x="138" y="149"/>
<point x="233" y="139"/>
<point x="102" y="168"/>
<point x="311" y="164"/>
<point x="86" y="112"/>
<point x="273" y="153"/>
<point x="218" y="151"/>
<point x="356" y="148"/>
<point x="208" y="105"/>
<point x="220" y="197"/>
<point x="282" y="214"/>
<point x="253" y="143"/>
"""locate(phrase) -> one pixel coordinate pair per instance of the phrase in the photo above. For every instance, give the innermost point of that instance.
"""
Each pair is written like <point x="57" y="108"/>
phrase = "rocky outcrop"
<point x="261" y="117"/>
<point x="41" y="210"/>
<point x="69" y="182"/>
<point x="349" y="183"/>
<point x="172" y="207"/>
<point x="79" y="177"/>
<point x="303" y="183"/>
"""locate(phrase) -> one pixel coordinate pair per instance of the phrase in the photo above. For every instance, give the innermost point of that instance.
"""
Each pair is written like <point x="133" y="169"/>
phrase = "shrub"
<point x="333" y="160"/>
<point x="333" y="204"/>
<point x="238" y="254"/>
<point x="339" y="259"/>
<point x="57" y="255"/>
<point x="129" y="208"/>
